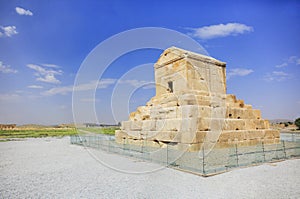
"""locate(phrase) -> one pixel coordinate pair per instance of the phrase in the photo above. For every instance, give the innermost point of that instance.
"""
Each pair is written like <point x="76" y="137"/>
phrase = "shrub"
<point x="297" y="123"/>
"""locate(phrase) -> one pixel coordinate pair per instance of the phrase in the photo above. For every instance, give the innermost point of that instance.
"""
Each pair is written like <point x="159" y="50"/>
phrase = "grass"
<point x="7" y="135"/>
<point x="35" y="133"/>
<point x="107" y="131"/>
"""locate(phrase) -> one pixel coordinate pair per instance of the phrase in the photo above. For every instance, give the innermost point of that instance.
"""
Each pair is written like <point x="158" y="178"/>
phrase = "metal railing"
<point x="216" y="161"/>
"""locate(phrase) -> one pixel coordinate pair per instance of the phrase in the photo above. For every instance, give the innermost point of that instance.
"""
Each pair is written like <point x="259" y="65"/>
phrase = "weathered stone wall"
<point x="7" y="126"/>
<point x="191" y="107"/>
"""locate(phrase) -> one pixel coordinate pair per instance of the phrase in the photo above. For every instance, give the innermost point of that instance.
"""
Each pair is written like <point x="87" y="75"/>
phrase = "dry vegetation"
<point x="34" y="131"/>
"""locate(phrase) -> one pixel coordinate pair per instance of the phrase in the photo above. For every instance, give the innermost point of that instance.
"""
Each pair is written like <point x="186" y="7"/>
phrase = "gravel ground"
<point x="52" y="168"/>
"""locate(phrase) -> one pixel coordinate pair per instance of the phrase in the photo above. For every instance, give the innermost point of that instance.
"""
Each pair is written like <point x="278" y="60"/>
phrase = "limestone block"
<point x="188" y="124"/>
<point x="234" y="124"/>
<point x="254" y="134"/>
<point x="234" y="113"/>
<point x="149" y="103"/>
<point x="250" y="124"/>
<point x="132" y="116"/>
<point x="271" y="134"/>
<point x="192" y="137"/>
<point x="195" y="84"/>
<point x="163" y="112"/>
<point x="134" y="134"/>
<point x="172" y="104"/>
<point x="187" y="99"/>
<point x="239" y="135"/>
<point x="248" y="106"/>
<point x="126" y="125"/>
<point x="271" y="141"/>
<point x="167" y="136"/>
<point x="180" y="85"/>
<point x="255" y="124"/>
<point x="120" y="135"/>
<point x="136" y="125"/>
<point x="171" y="112"/>
<point x="178" y="65"/>
<point x="169" y="98"/>
<point x="257" y="114"/>
<point x="202" y="103"/>
<point x="190" y="72"/>
<point x="260" y="124"/>
<point x="168" y="125"/>
<point x="240" y="103"/>
<point x="205" y="111"/>
<point x="266" y="124"/>
<point x="150" y="135"/>
<point x="149" y="125"/>
<point x="203" y="100"/>
<point x="231" y="99"/>
<point x="202" y="124"/>
<point x="225" y="137"/>
<point x="240" y="113"/>
<point x="188" y="111"/>
<point x="136" y="117"/>
<point x="145" y="117"/>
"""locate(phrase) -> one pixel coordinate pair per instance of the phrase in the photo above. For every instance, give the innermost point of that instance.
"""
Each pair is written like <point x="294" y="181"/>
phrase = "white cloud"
<point x="22" y="11"/>
<point x="6" y="68"/>
<point x="45" y="75"/>
<point x="290" y="60"/>
<point x="220" y="30"/>
<point x="281" y="65"/>
<point x="133" y="82"/>
<point x="8" y="97"/>
<point x="277" y="76"/>
<point x="104" y="83"/>
<point x="8" y="31"/>
<point x="35" y="86"/>
<point x="51" y="65"/>
<point x="49" y="78"/>
<point x="238" y="72"/>
<point x="138" y="83"/>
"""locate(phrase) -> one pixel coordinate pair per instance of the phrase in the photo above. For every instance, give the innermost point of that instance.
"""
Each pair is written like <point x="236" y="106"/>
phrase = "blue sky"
<point x="44" y="43"/>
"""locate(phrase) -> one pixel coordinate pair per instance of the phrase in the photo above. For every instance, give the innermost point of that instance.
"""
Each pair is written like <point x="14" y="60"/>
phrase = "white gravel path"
<point x="52" y="168"/>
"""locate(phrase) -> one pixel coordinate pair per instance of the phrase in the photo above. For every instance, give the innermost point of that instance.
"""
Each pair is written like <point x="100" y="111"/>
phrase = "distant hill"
<point x="276" y="121"/>
<point x="39" y="126"/>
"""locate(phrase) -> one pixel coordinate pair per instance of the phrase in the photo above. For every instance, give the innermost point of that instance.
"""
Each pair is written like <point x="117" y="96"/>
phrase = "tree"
<point x="297" y="123"/>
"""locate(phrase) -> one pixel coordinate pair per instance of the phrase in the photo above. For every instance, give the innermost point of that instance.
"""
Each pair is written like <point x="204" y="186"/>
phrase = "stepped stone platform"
<point x="191" y="108"/>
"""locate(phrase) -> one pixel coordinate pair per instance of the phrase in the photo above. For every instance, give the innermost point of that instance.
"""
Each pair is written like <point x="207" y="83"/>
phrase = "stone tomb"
<point x="191" y="108"/>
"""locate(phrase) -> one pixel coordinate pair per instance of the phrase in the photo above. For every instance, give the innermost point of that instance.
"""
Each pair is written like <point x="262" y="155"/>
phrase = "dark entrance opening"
<point x="170" y="85"/>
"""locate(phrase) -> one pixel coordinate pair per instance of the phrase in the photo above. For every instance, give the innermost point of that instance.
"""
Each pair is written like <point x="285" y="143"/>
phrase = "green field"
<point x="107" y="131"/>
<point x="7" y="134"/>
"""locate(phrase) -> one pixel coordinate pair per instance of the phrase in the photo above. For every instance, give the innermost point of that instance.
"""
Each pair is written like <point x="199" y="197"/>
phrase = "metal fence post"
<point x="142" y="149"/>
<point x="237" y="156"/>
<point x="263" y="148"/>
<point x="284" y="152"/>
<point x="167" y="154"/>
<point x="203" y="161"/>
